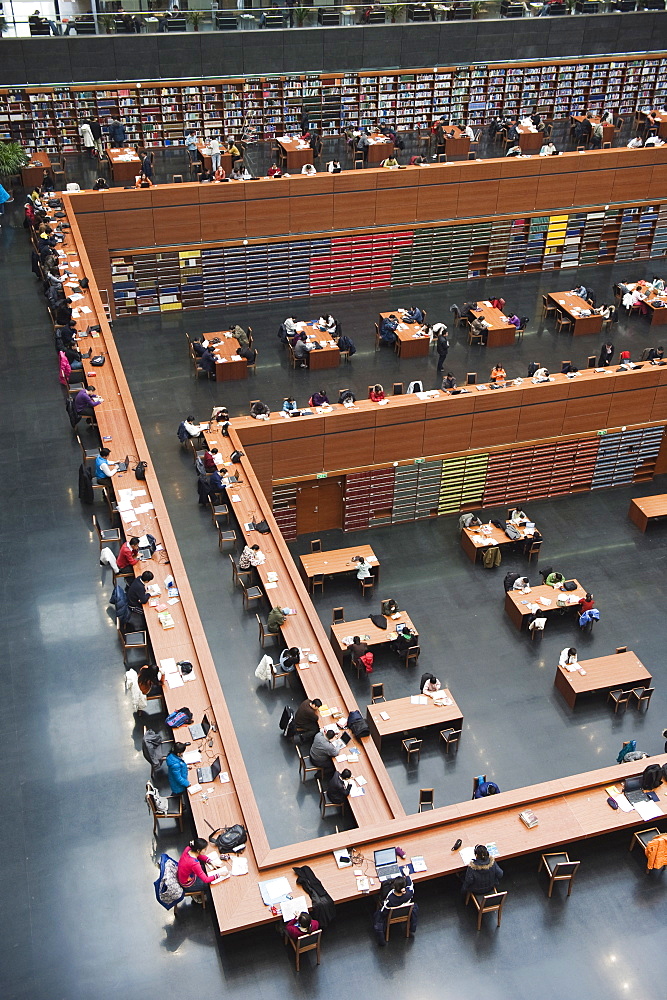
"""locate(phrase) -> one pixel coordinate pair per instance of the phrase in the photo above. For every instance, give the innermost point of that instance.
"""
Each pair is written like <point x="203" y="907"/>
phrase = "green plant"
<point x="476" y="6"/>
<point x="301" y="14"/>
<point x="394" y="10"/>
<point x="12" y="158"/>
<point x="195" y="17"/>
<point x="107" y="21"/>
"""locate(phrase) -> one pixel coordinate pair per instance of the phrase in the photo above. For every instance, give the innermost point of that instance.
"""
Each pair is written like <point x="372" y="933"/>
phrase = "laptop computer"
<point x="144" y="554"/>
<point x="123" y="466"/>
<point x="205" y="774"/>
<point x="200" y="729"/>
<point x="632" y="789"/>
<point x="386" y="863"/>
<point x="341" y="741"/>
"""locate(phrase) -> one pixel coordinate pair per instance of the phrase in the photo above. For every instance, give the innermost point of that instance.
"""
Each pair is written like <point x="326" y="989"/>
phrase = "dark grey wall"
<point x="107" y="58"/>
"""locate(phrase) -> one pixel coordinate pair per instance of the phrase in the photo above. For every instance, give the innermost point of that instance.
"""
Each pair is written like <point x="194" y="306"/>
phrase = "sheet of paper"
<point x="418" y="699"/>
<point x="291" y="908"/>
<point x="193" y="789"/>
<point x="360" y="780"/>
<point x="418" y="864"/>
<point x="168" y="666"/>
<point x="355" y="791"/>
<point x="467" y="854"/>
<point x="270" y="586"/>
<point x="174" y="681"/>
<point x="239" y="866"/>
<point x="192" y="756"/>
<point x="648" y="810"/>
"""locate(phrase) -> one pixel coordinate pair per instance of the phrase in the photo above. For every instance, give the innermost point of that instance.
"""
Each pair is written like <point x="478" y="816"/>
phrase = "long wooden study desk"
<point x="603" y="673"/>
<point x="643" y="510"/>
<point x="572" y="304"/>
<point x="404" y="715"/>
<point x="517" y="604"/>
<point x="335" y="562"/>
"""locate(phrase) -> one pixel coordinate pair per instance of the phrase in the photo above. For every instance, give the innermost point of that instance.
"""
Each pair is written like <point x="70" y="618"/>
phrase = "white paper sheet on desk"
<point x="192" y="756"/>
<point x="418" y="699"/>
<point x="174" y="600"/>
<point x="175" y="681"/>
<point x="291" y="908"/>
<point x="355" y="791"/>
<point x="76" y="296"/>
<point x="168" y="666"/>
<point x="85" y="309"/>
<point x="546" y="601"/>
<point x="270" y="586"/>
<point x="129" y="517"/>
<point x="648" y="810"/>
<point x="467" y="854"/>
<point x="125" y="503"/>
<point x="236" y="498"/>
<point x="193" y="789"/>
<point x="144" y="507"/>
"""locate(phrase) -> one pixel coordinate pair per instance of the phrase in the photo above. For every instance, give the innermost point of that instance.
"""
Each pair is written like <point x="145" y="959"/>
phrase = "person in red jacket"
<point x="586" y="603"/>
<point x="191" y="875"/>
<point x="129" y="553"/>
<point x="303" y="924"/>
<point x="376" y="393"/>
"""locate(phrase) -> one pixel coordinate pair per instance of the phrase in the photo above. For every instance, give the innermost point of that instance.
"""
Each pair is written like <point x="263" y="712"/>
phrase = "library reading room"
<point x="423" y="249"/>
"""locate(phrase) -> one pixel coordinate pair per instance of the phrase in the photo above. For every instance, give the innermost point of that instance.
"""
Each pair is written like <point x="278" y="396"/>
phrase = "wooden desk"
<point x="404" y="716"/>
<point x="207" y="162"/>
<point x="530" y="140"/>
<point x="660" y="121"/>
<point x="122" y="169"/>
<point x="33" y="173"/>
<point x="653" y="299"/>
<point x="411" y="342"/>
<point x="230" y="368"/>
<point x="458" y="145"/>
<point x="296" y="152"/>
<point x="336" y="561"/>
<point x="329" y="355"/>
<point x="491" y="536"/>
<point x="365" y="627"/>
<point x="500" y="331"/>
<point x="624" y="670"/>
<point x="380" y="147"/>
<point x="570" y="303"/>
<point x="518" y="611"/>
<point x="645" y="509"/>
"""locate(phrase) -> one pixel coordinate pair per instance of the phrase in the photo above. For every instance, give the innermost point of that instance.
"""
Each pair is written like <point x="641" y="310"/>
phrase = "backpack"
<point x="415" y="386"/>
<point x="286" y="724"/>
<point x="508" y="582"/>
<point x="345" y="344"/>
<point x="159" y="801"/>
<point x="357" y="724"/>
<point x="181" y="717"/>
<point x="652" y="777"/>
<point x="181" y="433"/>
<point x="230" y="838"/>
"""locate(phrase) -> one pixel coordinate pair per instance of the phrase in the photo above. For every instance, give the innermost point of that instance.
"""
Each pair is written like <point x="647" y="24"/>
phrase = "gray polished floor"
<point x="78" y="918"/>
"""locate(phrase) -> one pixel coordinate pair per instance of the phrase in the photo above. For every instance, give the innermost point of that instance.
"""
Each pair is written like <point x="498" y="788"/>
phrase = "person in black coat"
<point x="606" y="354"/>
<point x="339" y="786"/>
<point x="482" y="874"/>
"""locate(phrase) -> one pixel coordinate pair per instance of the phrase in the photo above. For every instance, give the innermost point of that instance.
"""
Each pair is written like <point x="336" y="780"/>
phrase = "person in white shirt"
<point x="522" y="584"/>
<point x="308" y="168"/>
<point x="214" y="146"/>
<point x="193" y="429"/>
<point x="429" y="684"/>
<point x="548" y="149"/>
<point x="334" y="167"/>
<point x="635" y="143"/>
<point x="654" y="140"/>
<point x="466" y="130"/>
<point x="363" y="567"/>
<point x="252" y="555"/>
<point x="290" y="325"/>
<point x="568" y="660"/>
<point x="541" y="375"/>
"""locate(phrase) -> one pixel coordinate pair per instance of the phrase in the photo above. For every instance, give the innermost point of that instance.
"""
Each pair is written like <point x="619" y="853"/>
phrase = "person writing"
<point x="391" y="163"/>
<point x="497" y="374"/>
<point x="388" y="328"/>
<point x="252" y="555"/>
<point x="482" y="874"/>
<point x="289" y="404"/>
<point x="303" y="924"/>
<point x="357" y="648"/>
<point x="190" y="874"/>
<point x="137" y="595"/>
<point x="522" y="583"/>
<point x="319" y="398"/>
<point x="568" y="660"/>
<point x="85" y="403"/>
<point x="449" y="381"/>
<point x="376" y="393"/>
<point x="129" y="553"/>
<point x="260" y="411"/>
<point x="429" y="684"/>
<point x="555" y="580"/>
<point x="339" y="786"/>
<point x="541" y="375"/>
<point x="289" y="659"/>
<point x="209" y="459"/>
<point x="177" y="769"/>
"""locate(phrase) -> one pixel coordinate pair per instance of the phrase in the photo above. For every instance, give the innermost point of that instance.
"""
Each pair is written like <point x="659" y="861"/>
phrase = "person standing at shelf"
<point x="117" y="133"/>
<point x="87" y="139"/>
<point x="191" y="145"/>
<point x="96" y="130"/>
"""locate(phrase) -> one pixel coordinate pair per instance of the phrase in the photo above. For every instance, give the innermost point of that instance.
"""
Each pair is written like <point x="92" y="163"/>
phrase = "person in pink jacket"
<point x="64" y="371"/>
<point x="303" y="924"/>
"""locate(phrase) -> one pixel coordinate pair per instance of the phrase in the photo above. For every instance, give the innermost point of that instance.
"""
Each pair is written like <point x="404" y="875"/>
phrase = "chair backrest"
<point x="316" y="545"/>
<point x="338" y="615"/>
<point x="425" y="796"/>
<point x="621" y="649"/>
<point x="413" y="653"/>
<point x="565" y="869"/>
<point x="307" y="942"/>
<point x="399" y="914"/>
<point x="493" y="901"/>
<point x="377" y="691"/>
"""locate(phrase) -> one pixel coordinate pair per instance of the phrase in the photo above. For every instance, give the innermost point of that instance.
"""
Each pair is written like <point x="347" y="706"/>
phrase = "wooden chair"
<point x="412" y="656"/>
<point x="105" y="535"/>
<point x="377" y="693"/>
<point x="337" y="616"/>
<point x="317" y="583"/>
<point x="619" y="697"/>
<point x="175" y="811"/>
<point x="224" y="537"/>
<point x="377" y="337"/>
<point x="316" y="545"/>
<point x="112" y="506"/>
<point x="474" y="338"/>
<point x="492" y="902"/>
<point x="399" y="915"/>
<point x="252" y="365"/>
<point x="642" y="695"/>
<point x="219" y="511"/>
<point x="177" y="178"/>
<point x="264" y="636"/>
<point x="450" y="737"/>
<point x="644" y="838"/>
<point x="426" y="800"/>
<point x="534" y="549"/>
<point x="276" y="673"/>
<point x="293" y="360"/>
<point x="367" y="586"/>
<point x="307" y="942"/>
<point x="560" y="869"/>
<point x="237" y="573"/>
<point x="592" y="360"/>
<point x="131" y="640"/>
<point x="475" y="783"/>
<point x="325" y="804"/>
<point x="549" y="307"/>
<point x="305" y="767"/>
<point x="397" y="389"/>
<point x="621" y="649"/>
<point x="412" y="748"/>
<point x="87" y="454"/>
<point x="563" y="322"/>
<point x="250" y="594"/>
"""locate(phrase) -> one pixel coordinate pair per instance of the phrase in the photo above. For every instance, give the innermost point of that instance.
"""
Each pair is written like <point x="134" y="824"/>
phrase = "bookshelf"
<point x="157" y="113"/>
<point x="510" y="475"/>
<point x="329" y="264"/>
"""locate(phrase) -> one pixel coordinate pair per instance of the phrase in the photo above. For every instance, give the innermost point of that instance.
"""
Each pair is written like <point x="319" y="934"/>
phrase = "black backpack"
<point x="230" y="838"/>
<point x="652" y="777"/>
<point x="357" y="724"/>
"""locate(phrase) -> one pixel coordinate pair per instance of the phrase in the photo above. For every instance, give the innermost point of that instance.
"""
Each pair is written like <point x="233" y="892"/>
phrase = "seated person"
<point x="249" y="353"/>
<point x="467" y="131"/>
<point x="482" y="874"/>
<point x="289" y="659"/>
<point x="479" y="326"/>
<point x="653" y="140"/>
<point x="517" y="516"/>
<point x="568" y="659"/>
<point x="376" y="393"/>
<point x="413" y="315"/>
<point x="514" y="151"/>
<point x="289" y="404"/>
<point x="207" y="361"/>
<point x="303" y="924"/>
<point x="347" y="398"/>
<point x="308" y="168"/>
<point x="391" y="163"/>
<point x="334" y="167"/>
<point x="404" y="641"/>
<point x="635" y="143"/>
<point x="548" y="149"/>
<point x="357" y="648"/>
<point x="274" y="171"/>
<point x="84" y="403"/>
<point x="521" y="583"/>
<point x="339" y="786"/>
<point x="307" y="717"/>
<point x="137" y="595"/>
<point x="190" y="872"/>
<point x="103" y="467"/>
<point x="239" y="172"/>
<point x="388" y="328"/>
<point x="209" y="460"/>
<point x="497" y="374"/>
<point x="219" y="174"/>
<point x="319" y="398"/>
<point x="429" y="684"/>
<point x="449" y="381"/>
<point x="129" y="553"/>
<point x="363" y="567"/>
<point x="514" y="320"/>
<point x="206" y="177"/>
<point x="192" y="429"/>
<point x="290" y="326"/>
<point x="259" y="410"/>
<point x="100" y="184"/>
<point x="323" y="751"/>
<point x="541" y="375"/>
<point x="587" y="602"/>
<point x="555" y="580"/>
<point x="302" y="349"/>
